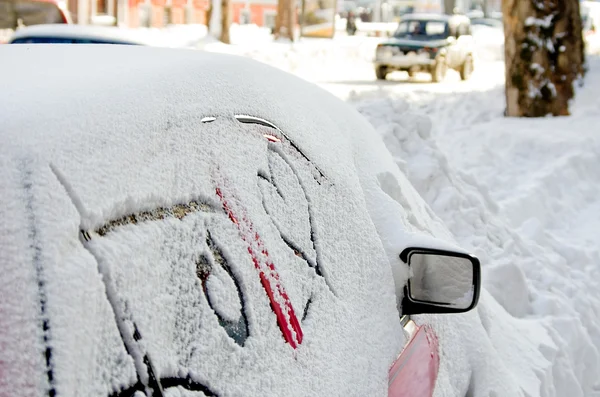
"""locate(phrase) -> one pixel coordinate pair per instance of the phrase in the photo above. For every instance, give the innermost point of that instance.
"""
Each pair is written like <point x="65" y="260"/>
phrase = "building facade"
<point x="159" y="13"/>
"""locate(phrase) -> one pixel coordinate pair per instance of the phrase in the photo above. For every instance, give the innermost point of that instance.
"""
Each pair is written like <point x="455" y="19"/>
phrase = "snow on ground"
<point x="522" y="194"/>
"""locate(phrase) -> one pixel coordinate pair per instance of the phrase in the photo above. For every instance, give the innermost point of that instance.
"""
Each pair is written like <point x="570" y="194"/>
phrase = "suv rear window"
<point x="26" y="12"/>
<point x="422" y="30"/>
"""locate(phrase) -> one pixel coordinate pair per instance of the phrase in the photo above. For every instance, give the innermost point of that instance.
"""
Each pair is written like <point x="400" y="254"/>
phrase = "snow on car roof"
<point x="96" y="33"/>
<point x="128" y="144"/>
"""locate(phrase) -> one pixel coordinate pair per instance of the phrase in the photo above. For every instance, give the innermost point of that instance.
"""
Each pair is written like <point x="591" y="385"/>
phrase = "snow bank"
<point x="489" y="42"/>
<point x="310" y="58"/>
<point x="523" y="195"/>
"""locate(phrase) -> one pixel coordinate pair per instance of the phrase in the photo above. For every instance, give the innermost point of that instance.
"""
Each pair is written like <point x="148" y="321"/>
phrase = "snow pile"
<point x="177" y="36"/>
<point x="489" y="42"/>
<point x="310" y="58"/>
<point x="523" y="195"/>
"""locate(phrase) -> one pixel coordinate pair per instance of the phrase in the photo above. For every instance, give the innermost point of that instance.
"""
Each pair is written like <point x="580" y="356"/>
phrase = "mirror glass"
<point x="441" y="279"/>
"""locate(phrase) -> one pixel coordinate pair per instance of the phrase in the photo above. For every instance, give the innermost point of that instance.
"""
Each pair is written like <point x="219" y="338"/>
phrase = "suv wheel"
<point x="466" y="70"/>
<point x="381" y="72"/>
<point x="438" y="70"/>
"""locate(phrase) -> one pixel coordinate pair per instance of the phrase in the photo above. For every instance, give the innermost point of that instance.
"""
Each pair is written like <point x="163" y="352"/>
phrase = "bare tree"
<point x="225" y="21"/>
<point x="544" y="55"/>
<point x="449" y="6"/>
<point x="285" y="19"/>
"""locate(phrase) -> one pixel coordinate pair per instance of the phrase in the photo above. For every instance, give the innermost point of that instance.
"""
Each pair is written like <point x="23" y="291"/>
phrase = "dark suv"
<point x="429" y="43"/>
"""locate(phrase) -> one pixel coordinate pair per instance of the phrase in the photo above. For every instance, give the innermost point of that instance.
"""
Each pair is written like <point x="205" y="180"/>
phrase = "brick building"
<point x="137" y="13"/>
<point x="257" y="12"/>
<point x="159" y="13"/>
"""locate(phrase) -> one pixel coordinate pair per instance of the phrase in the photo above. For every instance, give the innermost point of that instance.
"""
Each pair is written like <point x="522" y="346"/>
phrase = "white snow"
<point x="523" y="195"/>
<point x="545" y="22"/>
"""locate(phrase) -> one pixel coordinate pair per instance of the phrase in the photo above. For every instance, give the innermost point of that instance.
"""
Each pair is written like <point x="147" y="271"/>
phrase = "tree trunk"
<point x="543" y="55"/>
<point x="285" y="20"/>
<point x="291" y="18"/>
<point x="279" y="19"/>
<point x="208" y="14"/>
<point x="225" y="21"/>
<point x="449" y="6"/>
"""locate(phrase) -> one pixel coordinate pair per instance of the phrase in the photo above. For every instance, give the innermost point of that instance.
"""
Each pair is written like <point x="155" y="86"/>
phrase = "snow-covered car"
<point x="176" y="224"/>
<point x="430" y="43"/>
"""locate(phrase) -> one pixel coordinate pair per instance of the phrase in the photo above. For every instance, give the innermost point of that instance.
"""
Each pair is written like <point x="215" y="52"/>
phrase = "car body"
<point x="171" y="227"/>
<point x="430" y="43"/>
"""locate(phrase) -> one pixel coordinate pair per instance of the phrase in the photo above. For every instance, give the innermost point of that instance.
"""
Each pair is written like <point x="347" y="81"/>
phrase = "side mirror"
<point x="451" y="40"/>
<point x="441" y="281"/>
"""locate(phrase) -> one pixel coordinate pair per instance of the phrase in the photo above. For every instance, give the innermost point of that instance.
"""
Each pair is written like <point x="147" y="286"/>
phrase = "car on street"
<point x="176" y="224"/>
<point x="428" y="43"/>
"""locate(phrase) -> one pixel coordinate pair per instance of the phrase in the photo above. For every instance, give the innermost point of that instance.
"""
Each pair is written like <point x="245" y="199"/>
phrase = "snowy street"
<point x="522" y="194"/>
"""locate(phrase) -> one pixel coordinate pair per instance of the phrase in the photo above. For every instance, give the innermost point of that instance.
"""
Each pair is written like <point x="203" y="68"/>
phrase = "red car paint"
<point x="415" y="371"/>
<point x="280" y="302"/>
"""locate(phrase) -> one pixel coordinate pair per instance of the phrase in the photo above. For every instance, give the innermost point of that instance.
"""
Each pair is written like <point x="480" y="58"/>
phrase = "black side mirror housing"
<point x="441" y="282"/>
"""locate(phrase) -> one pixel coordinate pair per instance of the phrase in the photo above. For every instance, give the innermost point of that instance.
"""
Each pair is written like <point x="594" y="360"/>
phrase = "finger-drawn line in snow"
<point x="269" y="277"/>
<point x="277" y="146"/>
<point x="147" y="382"/>
<point x="247" y="119"/>
<point x="238" y="330"/>
<point x="178" y="211"/>
<point x="286" y="317"/>
<point x="25" y="169"/>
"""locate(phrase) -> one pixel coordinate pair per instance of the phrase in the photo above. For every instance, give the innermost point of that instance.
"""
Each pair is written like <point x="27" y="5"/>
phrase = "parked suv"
<point x="429" y="43"/>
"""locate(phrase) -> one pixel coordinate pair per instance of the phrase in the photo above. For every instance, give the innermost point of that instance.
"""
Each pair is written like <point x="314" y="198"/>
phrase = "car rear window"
<point x="24" y="12"/>
<point x="419" y="29"/>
